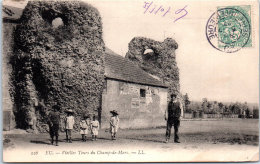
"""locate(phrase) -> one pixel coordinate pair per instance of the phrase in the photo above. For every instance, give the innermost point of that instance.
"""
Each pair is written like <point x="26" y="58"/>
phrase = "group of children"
<point x="90" y="126"/>
<point x="87" y="126"/>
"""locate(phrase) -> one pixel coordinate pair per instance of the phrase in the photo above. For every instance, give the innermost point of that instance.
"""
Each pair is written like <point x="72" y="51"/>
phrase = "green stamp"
<point x="229" y="28"/>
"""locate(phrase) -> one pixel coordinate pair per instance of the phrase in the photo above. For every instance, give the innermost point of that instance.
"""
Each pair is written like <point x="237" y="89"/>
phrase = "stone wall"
<point x="156" y="58"/>
<point x="57" y="59"/>
<point x="134" y="111"/>
<point x="7" y="106"/>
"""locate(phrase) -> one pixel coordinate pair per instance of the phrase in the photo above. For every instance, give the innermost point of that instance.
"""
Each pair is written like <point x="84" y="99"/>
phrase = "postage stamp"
<point x="229" y="28"/>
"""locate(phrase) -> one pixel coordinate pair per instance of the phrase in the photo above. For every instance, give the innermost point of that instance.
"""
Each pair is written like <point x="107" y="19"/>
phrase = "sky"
<point x="204" y="70"/>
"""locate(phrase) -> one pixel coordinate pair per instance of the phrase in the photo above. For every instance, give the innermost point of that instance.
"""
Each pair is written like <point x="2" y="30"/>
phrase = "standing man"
<point x="172" y="116"/>
<point x="54" y="123"/>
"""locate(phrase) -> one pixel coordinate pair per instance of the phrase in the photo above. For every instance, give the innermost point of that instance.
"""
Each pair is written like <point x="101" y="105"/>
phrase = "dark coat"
<point x="54" y="118"/>
<point x="174" y="110"/>
<point x="54" y="123"/>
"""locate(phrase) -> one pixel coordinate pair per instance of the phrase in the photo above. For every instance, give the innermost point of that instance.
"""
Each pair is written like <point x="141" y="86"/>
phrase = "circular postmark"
<point x="228" y="30"/>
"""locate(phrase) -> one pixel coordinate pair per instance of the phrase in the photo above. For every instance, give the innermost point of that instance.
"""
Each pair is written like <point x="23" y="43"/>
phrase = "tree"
<point x="247" y="113"/>
<point x="204" y="100"/>
<point x="235" y="108"/>
<point x="186" y="101"/>
<point x="215" y="107"/>
<point x="221" y="107"/>
<point x="194" y="106"/>
<point x="204" y="105"/>
<point x="210" y="107"/>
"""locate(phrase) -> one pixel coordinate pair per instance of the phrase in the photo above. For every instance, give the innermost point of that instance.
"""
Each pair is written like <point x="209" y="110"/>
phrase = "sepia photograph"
<point x="130" y="81"/>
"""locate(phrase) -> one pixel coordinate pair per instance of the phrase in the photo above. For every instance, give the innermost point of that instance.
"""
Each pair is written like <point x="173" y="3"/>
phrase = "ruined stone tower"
<point x="57" y="59"/>
<point x="159" y="61"/>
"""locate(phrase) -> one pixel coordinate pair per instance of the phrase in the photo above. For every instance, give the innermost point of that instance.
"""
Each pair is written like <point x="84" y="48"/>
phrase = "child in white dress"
<point x="84" y="127"/>
<point x="94" y="128"/>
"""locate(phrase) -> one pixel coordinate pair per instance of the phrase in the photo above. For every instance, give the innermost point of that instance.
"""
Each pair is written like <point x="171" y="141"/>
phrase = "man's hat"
<point x="173" y="95"/>
<point x="69" y="111"/>
<point x="114" y="112"/>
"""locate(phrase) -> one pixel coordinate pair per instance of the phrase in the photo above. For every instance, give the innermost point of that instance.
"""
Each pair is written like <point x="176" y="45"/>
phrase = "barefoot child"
<point x="94" y="128"/>
<point x="114" y="124"/>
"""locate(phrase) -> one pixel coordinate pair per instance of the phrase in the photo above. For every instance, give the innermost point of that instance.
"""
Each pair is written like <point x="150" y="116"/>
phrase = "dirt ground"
<point x="219" y="140"/>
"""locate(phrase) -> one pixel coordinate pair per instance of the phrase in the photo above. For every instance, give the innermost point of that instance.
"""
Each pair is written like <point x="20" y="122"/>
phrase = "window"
<point x="142" y="92"/>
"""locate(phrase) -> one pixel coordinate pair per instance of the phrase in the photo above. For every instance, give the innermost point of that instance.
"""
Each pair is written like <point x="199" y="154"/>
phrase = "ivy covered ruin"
<point x="158" y="59"/>
<point x="57" y="59"/>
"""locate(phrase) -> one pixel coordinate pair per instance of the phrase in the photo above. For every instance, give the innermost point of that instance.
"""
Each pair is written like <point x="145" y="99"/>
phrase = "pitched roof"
<point x="119" y="68"/>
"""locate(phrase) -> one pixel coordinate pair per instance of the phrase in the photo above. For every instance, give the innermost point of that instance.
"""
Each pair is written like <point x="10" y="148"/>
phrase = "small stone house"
<point x="139" y="98"/>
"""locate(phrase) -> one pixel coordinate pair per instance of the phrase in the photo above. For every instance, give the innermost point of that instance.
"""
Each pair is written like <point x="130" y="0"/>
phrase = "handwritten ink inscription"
<point x="152" y="8"/>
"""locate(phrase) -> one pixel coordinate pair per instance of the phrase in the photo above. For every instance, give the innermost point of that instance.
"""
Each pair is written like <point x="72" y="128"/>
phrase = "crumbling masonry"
<point x="57" y="64"/>
<point x="159" y="61"/>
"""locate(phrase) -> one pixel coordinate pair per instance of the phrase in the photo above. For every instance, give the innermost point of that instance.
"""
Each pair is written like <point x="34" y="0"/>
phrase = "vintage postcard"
<point x="130" y="81"/>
